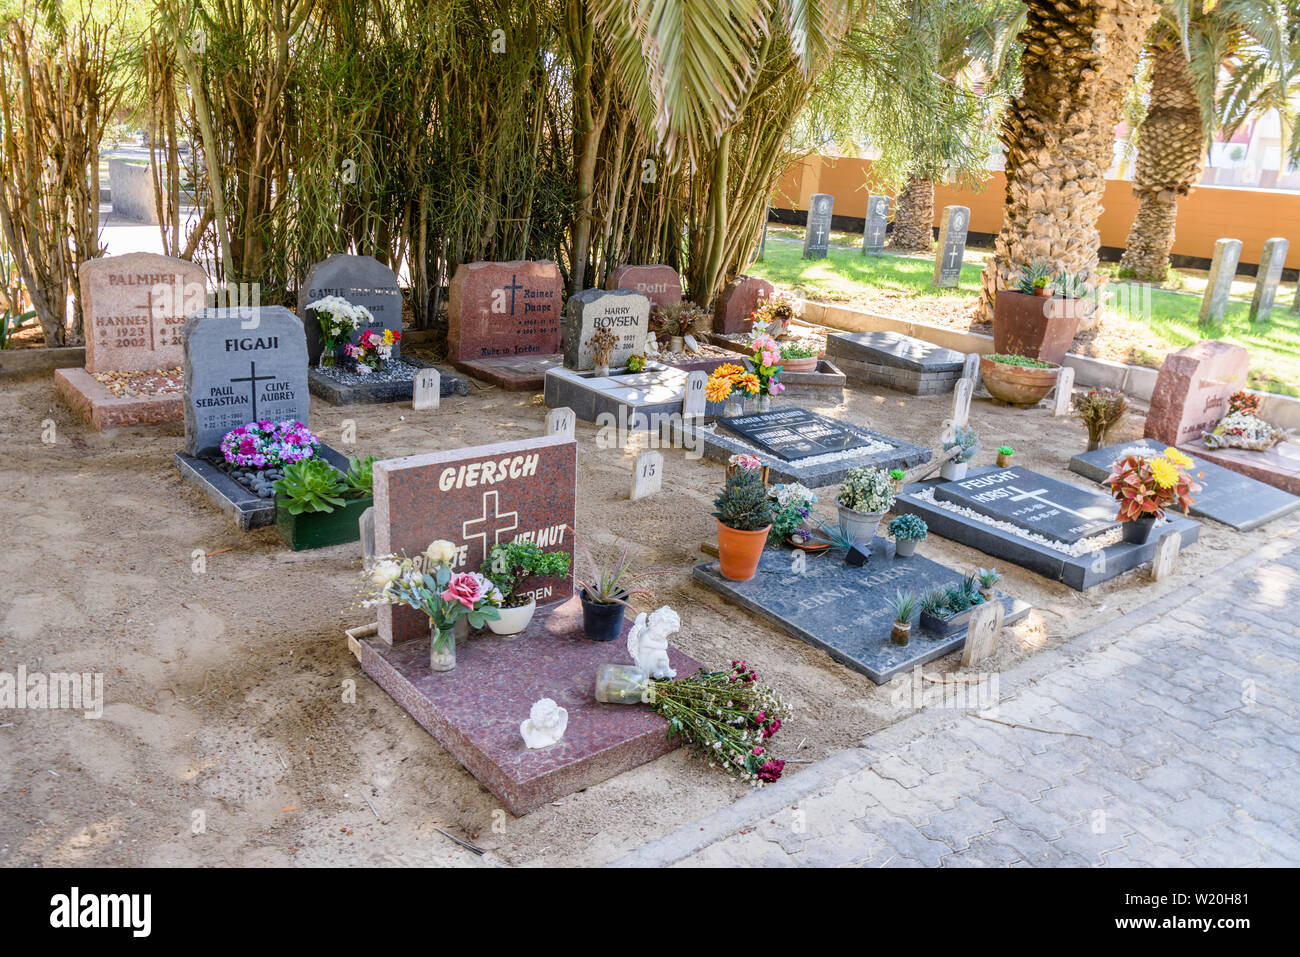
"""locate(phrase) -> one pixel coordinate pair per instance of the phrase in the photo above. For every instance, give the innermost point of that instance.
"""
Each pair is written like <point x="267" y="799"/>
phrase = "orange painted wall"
<point x="1209" y="213"/>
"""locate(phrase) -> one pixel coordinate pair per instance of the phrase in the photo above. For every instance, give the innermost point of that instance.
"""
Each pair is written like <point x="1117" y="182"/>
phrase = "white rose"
<point x="440" y="552"/>
<point x="384" y="573"/>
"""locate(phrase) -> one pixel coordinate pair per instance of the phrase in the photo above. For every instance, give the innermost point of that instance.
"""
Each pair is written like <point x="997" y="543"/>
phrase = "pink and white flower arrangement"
<point x="766" y="360"/>
<point x="267" y="445"/>
<point x="744" y="461"/>
<point x="337" y="319"/>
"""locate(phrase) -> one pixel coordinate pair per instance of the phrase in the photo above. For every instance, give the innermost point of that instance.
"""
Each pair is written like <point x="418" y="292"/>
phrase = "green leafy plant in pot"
<point x="604" y="592"/>
<point x="866" y="494"/>
<point x="903" y="606"/>
<point x="967" y="442"/>
<point x="908" y="530"/>
<point x="744" y="516"/>
<point x="508" y="566"/>
<point x="317" y="505"/>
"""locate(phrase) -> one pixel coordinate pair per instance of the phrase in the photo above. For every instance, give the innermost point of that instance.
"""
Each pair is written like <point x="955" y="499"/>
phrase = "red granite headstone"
<point x="476" y="498"/>
<point x="498" y="310"/>
<point x="660" y="284"/>
<point x="737" y="302"/>
<point x="1191" y="393"/>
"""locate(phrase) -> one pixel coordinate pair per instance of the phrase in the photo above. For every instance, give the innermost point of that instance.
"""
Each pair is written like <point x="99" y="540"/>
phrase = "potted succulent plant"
<point x="987" y="578"/>
<point x="945" y="611"/>
<point x="1031" y="321"/>
<point x="1100" y="410"/>
<point x="1018" y="379"/>
<point x="604" y="593"/>
<point x="744" y="516"/>
<point x="856" y="552"/>
<point x="898" y="477"/>
<point x="866" y="494"/>
<point x="1145" y="485"/>
<point x="317" y="505"/>
<point x="908" y="530"/>
<point x="1004" y="455"/>
<point x="508" y="566"/>
<point x="636" y="363"/>
<point x="903" y="606"/>
<point x="967" y="442"/>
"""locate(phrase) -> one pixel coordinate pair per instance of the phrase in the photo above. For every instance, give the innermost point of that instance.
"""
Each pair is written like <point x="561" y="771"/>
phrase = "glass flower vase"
<point x="764" y="402"/>
<point x="442" y="649"/>
<point x="735" y="405"/>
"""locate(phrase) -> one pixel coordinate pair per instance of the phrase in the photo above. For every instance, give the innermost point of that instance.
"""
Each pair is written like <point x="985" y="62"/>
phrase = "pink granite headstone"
<point x="1191" y="392"/>
<point x="475" y="498"/>
<point x="499" y="310"/>
<point x="737" y="302"/>
<point x="660" y="284"/>
<point x="134" y="309"/>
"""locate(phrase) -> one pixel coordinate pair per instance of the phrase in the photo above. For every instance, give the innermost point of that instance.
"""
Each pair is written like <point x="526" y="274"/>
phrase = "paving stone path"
<point x="1185" y="751"/>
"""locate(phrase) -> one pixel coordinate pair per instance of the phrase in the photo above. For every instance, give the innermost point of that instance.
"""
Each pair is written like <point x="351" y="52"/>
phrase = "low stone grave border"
<point x="246" y="508"/>
<point x="565" y="387"/>
<point x="330" y="390"/>
<point x="91" y="401"/>
<point x="1081" y="571"/>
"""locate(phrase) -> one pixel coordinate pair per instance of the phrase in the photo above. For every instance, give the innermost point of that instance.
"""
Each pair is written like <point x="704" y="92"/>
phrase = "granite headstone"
<point x="817" y="235"/>
<point x="1223" y="269"/>
<point x="1191" y="392"/>
<point x="134" y="308"/>
<point x="952" y="245"/>
<point x="737" y="302"/>
<point x="504" y="309"/>
<point x="1269" y="274"/>
<point x="875" y="225"/>
<point x="623" y="312"/>
<point x="1036" y="503"/>
<point x="793" y="433"/>
<point x="660" y="284"/>
<point x="362" y="281"/>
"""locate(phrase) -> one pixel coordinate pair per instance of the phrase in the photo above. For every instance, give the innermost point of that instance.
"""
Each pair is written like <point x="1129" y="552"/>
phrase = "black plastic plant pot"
<point x="857" y="556"/>
<point x="602" y="621"/>
<point x="941" y="627"/>
<point x="1138" y="531"/>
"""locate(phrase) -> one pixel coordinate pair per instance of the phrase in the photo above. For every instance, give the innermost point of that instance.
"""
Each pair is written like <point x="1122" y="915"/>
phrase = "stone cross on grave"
<point x="253" y="379"/>
<point x="496" y="530"/>
<point x="514" y="286"/>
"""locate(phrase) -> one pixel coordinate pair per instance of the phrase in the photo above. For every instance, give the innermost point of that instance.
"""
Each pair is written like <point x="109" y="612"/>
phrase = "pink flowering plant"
<point x="428" y="584"/>
<point x="726" y="716"/>
<point x="766" y="360"/>
<point x="268" y="445"/>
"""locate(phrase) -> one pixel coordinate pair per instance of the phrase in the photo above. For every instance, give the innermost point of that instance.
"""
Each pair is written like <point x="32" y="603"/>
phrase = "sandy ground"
<point x="225" y="687"/>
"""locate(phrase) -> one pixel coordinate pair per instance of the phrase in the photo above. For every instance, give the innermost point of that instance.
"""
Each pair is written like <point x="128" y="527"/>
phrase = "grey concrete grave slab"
<point x="897" y="361"/>
<point x="645" y="397"/>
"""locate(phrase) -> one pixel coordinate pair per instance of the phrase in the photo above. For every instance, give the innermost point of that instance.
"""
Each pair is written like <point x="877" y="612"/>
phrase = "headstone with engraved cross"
<point x="952" y="245"/>
<point x="502" y="309"/>
<point x="873" y="229"/>
<point x="817" y="237"/>
<point x="241" y="365"/>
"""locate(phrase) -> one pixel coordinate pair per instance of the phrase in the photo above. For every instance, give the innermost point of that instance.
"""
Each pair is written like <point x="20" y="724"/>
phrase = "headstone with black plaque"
<point x="952" y="245"/>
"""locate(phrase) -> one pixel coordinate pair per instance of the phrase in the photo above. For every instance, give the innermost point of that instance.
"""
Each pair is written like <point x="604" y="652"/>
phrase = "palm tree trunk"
<point x="914" y="216"/>
<point x="1059" y="134"/>
<point x="1169" y="163"/>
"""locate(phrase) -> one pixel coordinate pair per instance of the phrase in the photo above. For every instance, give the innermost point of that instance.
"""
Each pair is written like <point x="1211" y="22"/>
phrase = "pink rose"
<point x="464" y="588"/>
<point x="770" y="358"/>
<point x="776" y="388"/>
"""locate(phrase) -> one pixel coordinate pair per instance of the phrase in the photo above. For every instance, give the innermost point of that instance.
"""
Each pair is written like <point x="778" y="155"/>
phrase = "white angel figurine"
<point x="545" y="725"/>
<point x="647" y="642"/>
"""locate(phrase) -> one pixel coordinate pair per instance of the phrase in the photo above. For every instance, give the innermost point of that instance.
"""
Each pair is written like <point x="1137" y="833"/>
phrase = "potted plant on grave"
<point x="602" y="344"/>
<point x="866" y="494"/>
<point x="1146" y="484"/>
<point x="636" y="363"/>
<point x="898" y="477"/>
<point x="337" y="319"/>
<point x="317" y="505"/>
<point x="908" y="531"/>
<point x="507" y="566"/>
<point x="254" y="455"/>
<point x="856" y="553"/>
<point x="730" y="383"/>
<point x="1018" y="379"/>
<point x="604" y="593"/>
<point x="1074" y="300"/>
<point x="1029" y="321"/>
<point x="427" y="584"/>
<point x="945" y="611"/>
<point x="766" y="360"/>
<point x="744" y="517"/>
<point x="1004" y="455"/>
<point x="797" y="357"/>
<point x="791" y="507"/>
<point x="987" y="578"/>
<point x="1100" y="410"/>
<point x="967" y="443"/>
<point x="903" y="606"/>
<point x="744" y="462"/>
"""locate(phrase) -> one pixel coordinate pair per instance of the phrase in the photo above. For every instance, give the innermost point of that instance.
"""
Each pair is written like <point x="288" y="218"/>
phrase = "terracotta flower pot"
<point x="1017" y="385"/>
<point x="808" y="364"/>
<point x="1035" y="326"/>
<point x="739" y="552"/>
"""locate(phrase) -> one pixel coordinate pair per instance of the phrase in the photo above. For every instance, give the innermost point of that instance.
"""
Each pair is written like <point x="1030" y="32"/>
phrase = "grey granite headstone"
<point x="624" y="312"/>
<point x="239" y="369"/>
<point x="1223" y="269"/>
<point x="1037" y="503"/>
<point x="952" y="245"/>
<point x="362" y="281"/>
<point x="875" y="225"/>
<point x="895" y="349"/>
<point x="647" y="473"/>
<point x="1225" y="496"/>
<point x="846" y="611"/>
<point x="1271" y="262"/>
<point x="817" y="235"/>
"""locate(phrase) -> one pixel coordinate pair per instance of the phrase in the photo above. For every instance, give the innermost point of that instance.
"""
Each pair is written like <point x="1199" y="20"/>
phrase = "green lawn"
<point x="1141" y="324"/>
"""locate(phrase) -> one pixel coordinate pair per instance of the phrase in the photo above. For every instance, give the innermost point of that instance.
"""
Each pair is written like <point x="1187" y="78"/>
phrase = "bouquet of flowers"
<point x="427" y="584"/>
<point x="793" y="504"/>
<point x="1145" y="484"/>
<point x="268" y="445"/>
<point x="1244" y="401"/>
<point x="730" y="378"/>
<point x="773" y="314"/>
<point x="767" y="360"/>
<point x="337" y="318"/>
<point x="373" y="348"/>
<point x="727" y="716"/>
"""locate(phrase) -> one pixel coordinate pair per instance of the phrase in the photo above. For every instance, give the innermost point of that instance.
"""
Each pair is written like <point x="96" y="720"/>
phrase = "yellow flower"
<point x="1164" y="473"/>
<point x="715" y="390"/>
<point x="1178" y="458"/>
<point x="748" y="382"/>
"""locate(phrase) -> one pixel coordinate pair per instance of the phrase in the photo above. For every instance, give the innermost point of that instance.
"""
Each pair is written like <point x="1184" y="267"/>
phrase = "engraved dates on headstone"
<point x="793" y="434"/>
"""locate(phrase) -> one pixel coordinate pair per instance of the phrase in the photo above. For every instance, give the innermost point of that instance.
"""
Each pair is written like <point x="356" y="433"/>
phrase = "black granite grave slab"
<point x="1225" y="496"/>
<point x="325" y="386"/>
<point x="897" y="361"/>
<point x="225" y="493"/>
<point x="793" y="433"/>
<point x="1037" y="503"/>
<point x="1080" y="572"/>
<point x="845" y="611"/>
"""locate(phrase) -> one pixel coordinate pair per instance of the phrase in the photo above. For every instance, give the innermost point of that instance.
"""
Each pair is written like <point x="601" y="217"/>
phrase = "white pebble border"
<point x="1085" y="547"/>
<point x="871" y="448"/>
